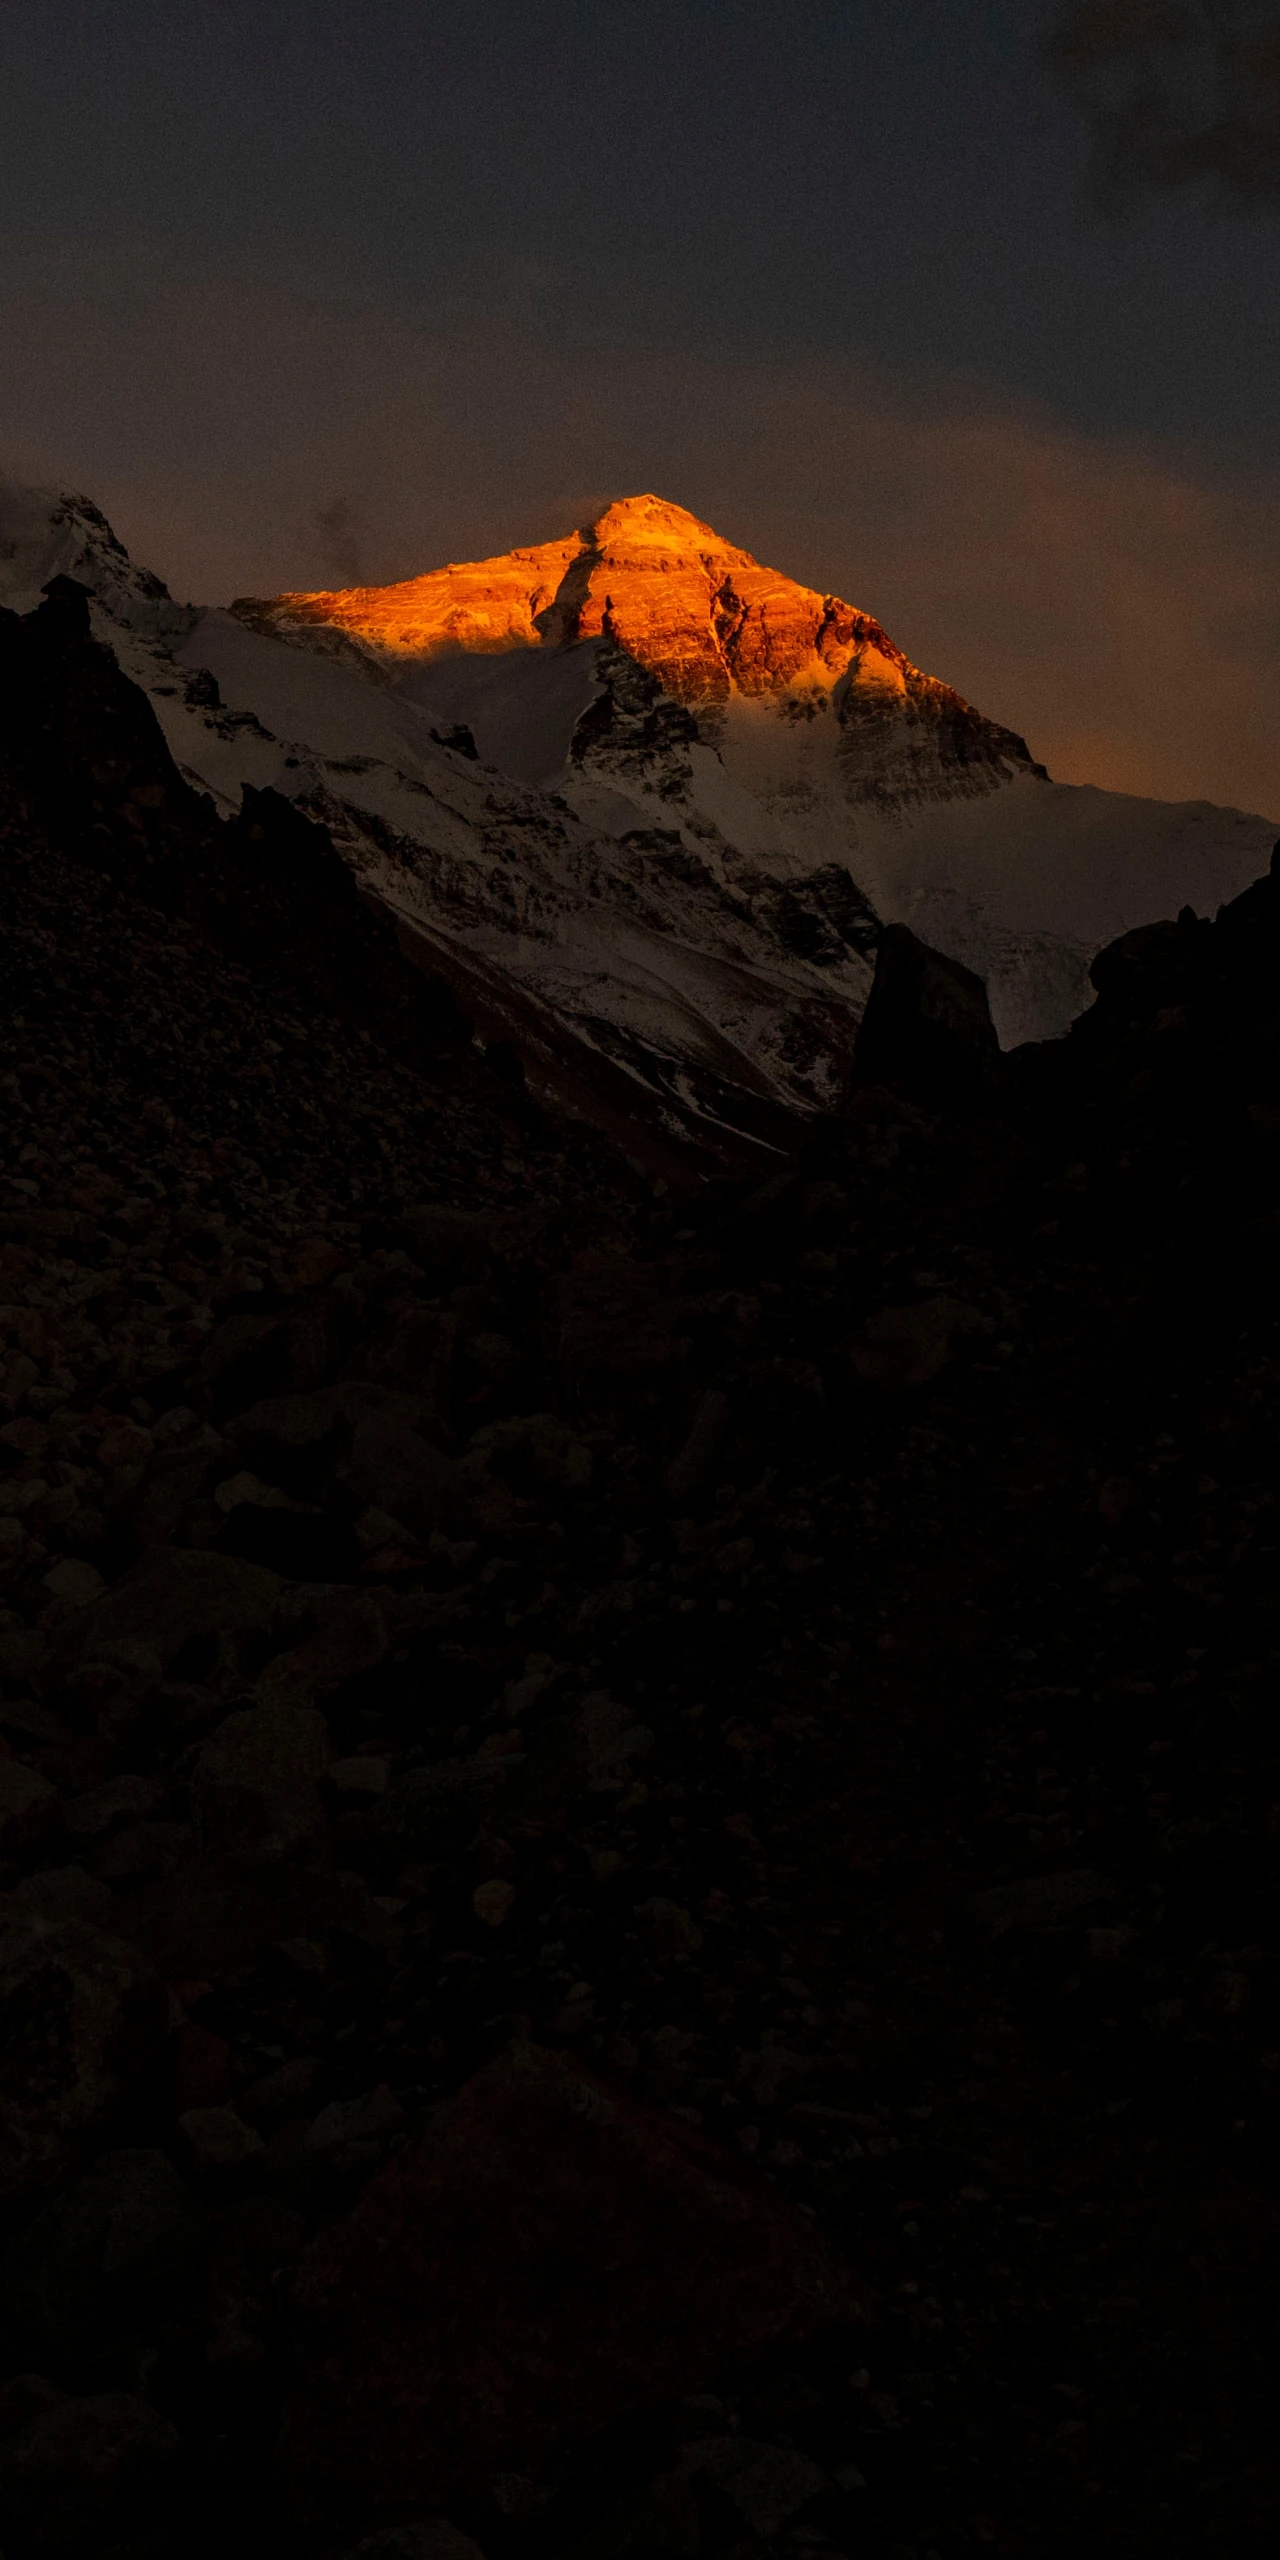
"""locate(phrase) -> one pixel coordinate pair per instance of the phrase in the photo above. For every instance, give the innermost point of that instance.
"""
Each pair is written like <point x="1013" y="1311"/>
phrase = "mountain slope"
<point x="801" y="1657"/>
<point x="645" y="1000"/>
<point x="811" y="751"/>
<point x="643" y="804"/>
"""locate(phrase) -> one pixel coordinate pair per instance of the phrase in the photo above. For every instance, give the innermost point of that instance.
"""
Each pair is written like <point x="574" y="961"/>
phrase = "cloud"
<point x="338" y="528"/>
<point x="1177" y="96"/>
<point x="1114" y="602"/>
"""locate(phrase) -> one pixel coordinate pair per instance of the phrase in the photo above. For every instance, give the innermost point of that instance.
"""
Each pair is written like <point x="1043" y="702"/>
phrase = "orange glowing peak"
<point x="701" y="614"/>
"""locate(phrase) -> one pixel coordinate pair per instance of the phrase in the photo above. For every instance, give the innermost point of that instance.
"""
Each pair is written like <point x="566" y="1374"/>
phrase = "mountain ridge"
<point x="704" y="616"/>
<point x="650" y="850"/>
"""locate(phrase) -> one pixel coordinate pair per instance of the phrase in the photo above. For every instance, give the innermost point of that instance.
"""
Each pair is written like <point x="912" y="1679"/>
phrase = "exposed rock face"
<point x="927" y="1031"/>
<point x="82" y="2028"/>
<point x="82" y="2467"/>
<point x="549" y="2256"/>
<point x="704" y="618"/>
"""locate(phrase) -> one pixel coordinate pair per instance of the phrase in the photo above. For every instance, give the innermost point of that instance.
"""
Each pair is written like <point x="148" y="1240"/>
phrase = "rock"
<point x="356" y="2133"/>
<point x="117" y="2249"/>
<point x="927" y="1031"/>
<point x="659" y="2522"/>
<point x="83" y="2468"/>
<point x="258" y="1776"/>
<point x="67" y="1893"/>
<point x="24" y="1659"/>
<point x="668" y="1930"/>
<point x="609" y="1733"/>
<point x="286" y="2091"/>
<point x="100" y="1809"/>
<point x="351" y="1636"/>
<point x="547" y="2258"/>
<point x="415" y="1353"/>
<point x="531" y="1452"/>
<point x="461" y="1244"/>
<point x="27" y="1805"/>
<point x="434" y="2540"/>
<point x="245" y="1487"/>
<point x="25" y="2397"/>
<point x="359" y="1780"/>
<point x="82" y="2041"/>
<point x="1041" y="1902"/>
<point x="299" y="1544"/>
<point x="504" y="1784"/>
<point x="217" y="2140"/>
<point x="310" y="1262"/>
<point x="74" y="1583"/>
<point x="365" y="1437"/>
<point x="765" y="2484"/>
<point x="494" y="1902"/>
<point x="692" y="1463"/>
<point x="906" y="1347"/>
<point x="201" y="2068"/>
<point x="255" y="2240"/>
<point x="242" y="1359"/>
<point x="141" y="1850"/>
<point x="212" y="1920"/>
<point x="192" y="1596"/>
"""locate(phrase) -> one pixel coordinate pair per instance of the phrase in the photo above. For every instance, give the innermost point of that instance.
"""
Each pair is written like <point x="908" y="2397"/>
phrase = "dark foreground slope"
<point x="640" y="1840"/>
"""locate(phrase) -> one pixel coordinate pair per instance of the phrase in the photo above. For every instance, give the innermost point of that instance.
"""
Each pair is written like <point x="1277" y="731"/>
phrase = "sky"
<point x="964" y="309"/>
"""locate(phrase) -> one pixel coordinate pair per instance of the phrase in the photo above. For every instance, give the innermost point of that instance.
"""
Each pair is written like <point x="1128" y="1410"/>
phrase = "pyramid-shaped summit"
<point x="700" y="614"/>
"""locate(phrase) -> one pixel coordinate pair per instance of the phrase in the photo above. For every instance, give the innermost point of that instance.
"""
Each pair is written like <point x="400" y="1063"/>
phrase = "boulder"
<point x="365" y="1437"/>
<point x="299" y="1544"/>
<point x="67" y="1893"/>
<point x="258" y="1776"/>
<point x="255" y="2240"/>
<point x="764" y="2484"/>
<point x="83" y="2030"/>
<point x="120" y="2247"/>
<point x="435" y="2540"/>
<point x="659" y="2522"/>
<point x="213" y="1920"/>
<point x="186" y="1596"/>
<point x="217" y="2141"/>
<point x="550" y="2257"/>
<point x="906" y="1347"/>
<point x="81" y="2469"/>
<point x="27" y="1806"/>
<point x="414" y="1351"/>
<point x="927" y="1031"/>
<point x="452" y="1245"/>
<point x="531" y="1451"/>
<point x="351" y="1636"/>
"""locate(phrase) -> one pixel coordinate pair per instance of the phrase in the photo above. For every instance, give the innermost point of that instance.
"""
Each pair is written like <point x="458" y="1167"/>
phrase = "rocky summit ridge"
<point x="701" y="615"/>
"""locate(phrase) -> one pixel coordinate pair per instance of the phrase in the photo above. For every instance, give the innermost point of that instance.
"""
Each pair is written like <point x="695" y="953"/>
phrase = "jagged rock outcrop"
<point x="84" y="758"/>
<point x="927" y="1031"/>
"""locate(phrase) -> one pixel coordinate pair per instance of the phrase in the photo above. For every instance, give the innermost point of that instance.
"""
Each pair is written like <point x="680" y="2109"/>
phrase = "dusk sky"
<point x="983" y="336"/>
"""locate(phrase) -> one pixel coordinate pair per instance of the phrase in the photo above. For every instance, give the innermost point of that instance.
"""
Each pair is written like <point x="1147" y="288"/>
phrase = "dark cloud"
<point x="1177" y="94"/>
<point x="341" y="550"/>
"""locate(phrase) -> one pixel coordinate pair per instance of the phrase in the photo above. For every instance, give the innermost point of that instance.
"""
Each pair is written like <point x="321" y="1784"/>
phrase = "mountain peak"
<point x="656" y="524"/>
<point x="703" y="616"/>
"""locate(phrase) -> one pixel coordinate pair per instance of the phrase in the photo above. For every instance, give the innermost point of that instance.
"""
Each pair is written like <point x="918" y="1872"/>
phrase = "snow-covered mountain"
<point x="644" y="802"/>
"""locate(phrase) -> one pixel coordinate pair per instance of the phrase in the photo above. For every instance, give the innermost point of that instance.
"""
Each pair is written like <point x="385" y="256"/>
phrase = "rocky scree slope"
<point x="728" y="1739"/>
